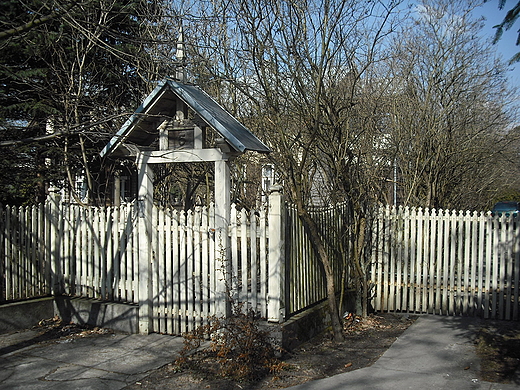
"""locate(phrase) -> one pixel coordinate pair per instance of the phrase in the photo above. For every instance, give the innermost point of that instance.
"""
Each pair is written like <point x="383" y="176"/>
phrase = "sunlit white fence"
<point x="94" y="252"/>
<point x="446" y="262"/>
<point x="423" y="261"/>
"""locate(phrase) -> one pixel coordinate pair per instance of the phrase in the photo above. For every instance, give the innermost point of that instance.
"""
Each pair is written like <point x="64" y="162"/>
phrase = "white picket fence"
<point x="188" y="257"/>
<point x="423" y="261"/>
<point x="306" y="283"/>
<point x="94" y="252"/>
<point x="446" y="262"/>
<point x="70" y="249"/>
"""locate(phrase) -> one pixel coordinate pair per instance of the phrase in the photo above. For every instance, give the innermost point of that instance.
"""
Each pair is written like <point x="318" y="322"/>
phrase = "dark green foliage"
<point x="68" y="76"/>
<point x="509" y="20"/>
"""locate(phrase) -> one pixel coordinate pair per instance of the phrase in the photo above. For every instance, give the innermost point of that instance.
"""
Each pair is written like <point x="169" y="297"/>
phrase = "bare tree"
<point x="299" y="74"/>
<point x="72" y="71"/>
<point x="450" y="115"/>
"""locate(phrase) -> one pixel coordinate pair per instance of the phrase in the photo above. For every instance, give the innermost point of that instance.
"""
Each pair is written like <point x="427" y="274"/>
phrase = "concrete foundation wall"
<point x="311" y="322"/>
<point x="23" y="315"/>
<point x="117" y="316"/>
<point x="124" y="318"/>
<point x="305" y="325"/>
<point x="26" y="314"/>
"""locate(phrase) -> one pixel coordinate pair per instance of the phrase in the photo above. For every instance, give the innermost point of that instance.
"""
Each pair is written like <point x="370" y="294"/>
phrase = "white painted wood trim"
<point x="184" y="156"/>
<point x="276" y="274"/>
<point x="144" y="209"/>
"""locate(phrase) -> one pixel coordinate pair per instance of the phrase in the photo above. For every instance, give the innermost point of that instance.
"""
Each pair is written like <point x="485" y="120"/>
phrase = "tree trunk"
<point x="317" y="242"/>
<point x="90" y="185"/>
<point x="359" y="269"/>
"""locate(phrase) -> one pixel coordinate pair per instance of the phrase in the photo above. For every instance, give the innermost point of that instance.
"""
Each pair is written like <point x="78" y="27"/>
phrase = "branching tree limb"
<point x="37" y="22"/>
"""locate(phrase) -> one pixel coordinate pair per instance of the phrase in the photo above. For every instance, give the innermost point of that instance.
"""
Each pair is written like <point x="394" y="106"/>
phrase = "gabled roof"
<point x="141" y="128"/>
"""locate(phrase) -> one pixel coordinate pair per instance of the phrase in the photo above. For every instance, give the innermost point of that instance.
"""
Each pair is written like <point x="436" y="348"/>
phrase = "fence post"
<point x="222" y="219"/>
<point x="4" y="293"/>
<point x="56" y="272"/>
<point x="276" y="273"/>
<point x="144" y="214"/>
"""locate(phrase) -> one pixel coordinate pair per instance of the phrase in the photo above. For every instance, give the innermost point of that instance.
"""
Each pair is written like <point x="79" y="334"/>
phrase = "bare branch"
<point x="36" y="22"/>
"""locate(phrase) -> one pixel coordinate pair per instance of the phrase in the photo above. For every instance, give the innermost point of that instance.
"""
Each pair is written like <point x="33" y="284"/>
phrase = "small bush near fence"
<point x="237" y="349"/>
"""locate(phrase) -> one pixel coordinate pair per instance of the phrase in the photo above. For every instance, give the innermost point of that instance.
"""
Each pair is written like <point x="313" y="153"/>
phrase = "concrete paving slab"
<point x="110" y="361"/>
<point x="434" y="353"/>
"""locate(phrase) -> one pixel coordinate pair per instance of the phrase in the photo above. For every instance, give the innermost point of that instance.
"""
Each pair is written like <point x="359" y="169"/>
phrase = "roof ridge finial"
<point x="179" y="54"/>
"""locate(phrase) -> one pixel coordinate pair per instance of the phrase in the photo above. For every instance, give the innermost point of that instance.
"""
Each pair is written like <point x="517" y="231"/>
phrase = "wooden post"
<point x="222" y="217"/>
<point x="117" y="188"/>
<point x="56" y="272"/>
<point x="276" y="274"/>
<point x="144" y="214"/>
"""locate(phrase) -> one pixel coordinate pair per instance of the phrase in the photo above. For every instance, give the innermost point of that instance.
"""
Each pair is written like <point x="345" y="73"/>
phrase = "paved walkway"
<point x="434" y="353"/>
<point x="110" y="361"/>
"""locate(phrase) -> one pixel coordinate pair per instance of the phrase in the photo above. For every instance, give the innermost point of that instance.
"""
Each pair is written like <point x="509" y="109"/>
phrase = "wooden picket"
<point x="306" y="282"/>
<point x="446" y="262"/>
<point x="187" y="259"/>
<point x="424" y="261"/>
<point x="93" y="252"/>
<point x="72" y="250"/>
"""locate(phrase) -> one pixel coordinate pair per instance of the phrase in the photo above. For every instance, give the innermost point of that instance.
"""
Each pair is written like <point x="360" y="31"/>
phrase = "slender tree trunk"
<point x="69" y="173"/>
<point x="317" y="241"/>
<point x="88" y="176"/>
<point x="360" y="269"/>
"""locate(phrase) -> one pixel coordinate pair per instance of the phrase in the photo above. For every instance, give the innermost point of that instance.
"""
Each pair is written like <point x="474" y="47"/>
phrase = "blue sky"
<point x="506" y="46"/>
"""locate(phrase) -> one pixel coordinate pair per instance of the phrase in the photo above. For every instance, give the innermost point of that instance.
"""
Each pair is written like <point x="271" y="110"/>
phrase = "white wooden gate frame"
<point x="145" y="207"/>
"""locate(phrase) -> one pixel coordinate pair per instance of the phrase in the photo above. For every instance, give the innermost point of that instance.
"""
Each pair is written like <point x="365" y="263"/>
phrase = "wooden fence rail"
<point x="187" y="257"/>
<point x="423" y="261"/>
<point x="69" y="249"/>
<point x="446" y="262"/>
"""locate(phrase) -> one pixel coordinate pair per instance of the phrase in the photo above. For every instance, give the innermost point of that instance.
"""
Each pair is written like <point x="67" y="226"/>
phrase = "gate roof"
<point x="141" y="129"/>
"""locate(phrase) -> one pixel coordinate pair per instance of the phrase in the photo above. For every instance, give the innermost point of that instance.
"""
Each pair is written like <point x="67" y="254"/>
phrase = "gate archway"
<point x="171" y="126"/>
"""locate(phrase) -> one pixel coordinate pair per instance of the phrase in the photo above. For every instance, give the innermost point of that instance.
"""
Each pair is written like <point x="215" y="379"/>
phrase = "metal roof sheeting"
<point x="141" y="127"/>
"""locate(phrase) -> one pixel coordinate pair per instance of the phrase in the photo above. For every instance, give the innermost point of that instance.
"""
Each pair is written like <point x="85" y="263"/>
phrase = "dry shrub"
<point x="233" y="348"/>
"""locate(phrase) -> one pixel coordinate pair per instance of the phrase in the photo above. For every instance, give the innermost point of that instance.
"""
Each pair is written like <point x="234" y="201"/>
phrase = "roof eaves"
<point x="126" y="129"/>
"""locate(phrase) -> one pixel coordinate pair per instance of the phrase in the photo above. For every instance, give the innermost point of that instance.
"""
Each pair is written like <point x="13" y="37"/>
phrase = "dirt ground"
<point x="365" y="341"/>
<point x="497" y="344"/>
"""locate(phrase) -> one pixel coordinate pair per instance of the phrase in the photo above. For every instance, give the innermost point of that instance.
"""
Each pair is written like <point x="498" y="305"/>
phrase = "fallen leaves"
<point x="55" y="328"/>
